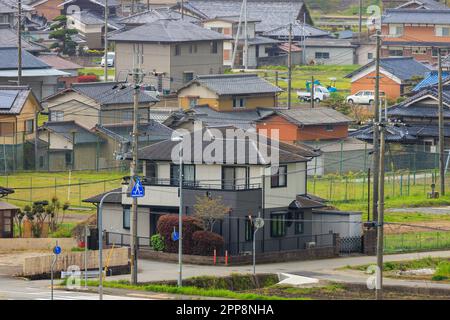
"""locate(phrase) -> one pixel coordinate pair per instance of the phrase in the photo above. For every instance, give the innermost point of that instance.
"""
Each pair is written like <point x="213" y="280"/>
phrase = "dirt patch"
<point x="347" y="292"/>
<point x="417" y="227"/>
<point x="12" y="262"/>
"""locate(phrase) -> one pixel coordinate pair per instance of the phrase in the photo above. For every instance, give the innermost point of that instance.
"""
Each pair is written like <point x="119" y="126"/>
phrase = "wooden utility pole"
<point x="376" y="132"/>
<point x="290" y="68"/>
<point x="360" y="18"/>
<point x="19" y="42"/>
<point x="245" y="55"/>
<point x="313" y="91"/>
<point x="182" y="9"/>
<point x="137" y="76"/>
<point x="380" y="218"/>
<point x="106" y="41"/>
<point x="441" y="127"/>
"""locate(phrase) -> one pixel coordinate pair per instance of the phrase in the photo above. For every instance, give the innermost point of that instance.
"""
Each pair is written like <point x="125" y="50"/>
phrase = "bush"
<point x="205" y="242"/>
<point x="87" y="78"/>
<point x="157" y="242"/>
<point x="167" y="223"/>
<point x="442" y="271"/>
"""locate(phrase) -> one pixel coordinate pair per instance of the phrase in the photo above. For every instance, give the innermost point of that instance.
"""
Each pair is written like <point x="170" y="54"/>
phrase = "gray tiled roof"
<point x="106" y="93"/>
<point x="162" y="151"/>
<point x="416" y="16"/>
<point x="66" y="129"/>
<point x="314" y="116"/>
<point x="425" y="4"/>
<point x="8" y="38"/>
<point x="9" y="59"/>
<point x="298" y="30"/>
<point x="20" y="93"/>
<point x="405" y="68"/>
<point x="87" y="18"/>
<point x="232" y="84"/>
<point x="152" y="131"/>
<point x="272" y="14"/>
<point x="166" y="31"/>
<point x="115" y="198"/>
<point x="111" y="3"/>
<point x="153" y="15"/>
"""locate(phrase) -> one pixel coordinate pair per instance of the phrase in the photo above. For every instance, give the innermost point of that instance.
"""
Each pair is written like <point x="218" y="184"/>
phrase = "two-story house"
<point x="19" y="109"/>
<point x="258" y="46"/>
<point x="323" y="129"/>
<point x="175" y="50"/>
<point x="229" y="92"/>
<point x="49" y="9"/>
<point x="416" y="33"/>
<point x="97" y="119"/>
<point x="250" y="182"/>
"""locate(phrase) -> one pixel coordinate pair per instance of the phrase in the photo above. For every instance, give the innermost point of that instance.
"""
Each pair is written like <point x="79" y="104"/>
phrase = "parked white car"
<point x="320" y="93"/>
<point x="151" y="90"/>
<point x="362" y="97"/>
<point x="111" y="59"/>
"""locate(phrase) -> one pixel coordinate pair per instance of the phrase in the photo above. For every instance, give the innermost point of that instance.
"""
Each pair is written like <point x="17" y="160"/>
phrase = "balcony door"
<point x="188" y="174"/>
<point x="235" y="178"/>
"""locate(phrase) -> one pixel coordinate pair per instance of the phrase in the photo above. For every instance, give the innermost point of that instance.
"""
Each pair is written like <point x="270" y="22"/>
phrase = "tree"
<point x="209" y="211"/>
<point x="62" y="34"/>
<point x="37" y="216"/>
<point x="53" y="210"/>
<point x="19" y="218"/>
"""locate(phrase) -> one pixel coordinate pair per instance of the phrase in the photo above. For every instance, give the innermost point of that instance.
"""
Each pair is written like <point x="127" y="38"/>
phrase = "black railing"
<point x="243" y="247"/>
<point x="204" y="185"/>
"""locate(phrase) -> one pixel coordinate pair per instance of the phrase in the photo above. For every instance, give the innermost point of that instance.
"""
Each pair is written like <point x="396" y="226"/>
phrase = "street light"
<point x="180" y="213"/>
<point x="100" y="241"/>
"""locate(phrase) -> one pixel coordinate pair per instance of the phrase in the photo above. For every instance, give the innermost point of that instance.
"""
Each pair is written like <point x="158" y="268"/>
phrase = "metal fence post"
<point x="401" y="185"/>
<point x="409" y="182"/>
<point x="79" y="192"/>
<point x="346" y="188"/>
<point x="31" y="190"/>
<point x="55" y="186"/>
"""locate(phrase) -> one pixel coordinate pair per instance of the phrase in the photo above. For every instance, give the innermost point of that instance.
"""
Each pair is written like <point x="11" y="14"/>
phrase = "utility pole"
<point x="290" y="67"/>
<point x="376" y="132"/>
<point x="245" y="36"/>
<point x="106" y="40"/>
<point x="360" y="19"/>
<point x="182" y="10"/>
<point x="313" y="89"/>
<point x="441" y="128"/>
<point x="236" y="41"/>
<point x="19" y="42"/>
<point x="137" y="76"/>
<point x="380" y="225"/>
<point x="148" y="5"/>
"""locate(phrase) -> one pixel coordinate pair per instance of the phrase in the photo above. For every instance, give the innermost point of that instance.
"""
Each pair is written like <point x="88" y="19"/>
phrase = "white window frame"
<point x="394" y="30"/>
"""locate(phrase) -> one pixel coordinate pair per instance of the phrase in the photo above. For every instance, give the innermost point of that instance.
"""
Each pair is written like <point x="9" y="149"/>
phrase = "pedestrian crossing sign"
<point x="138" y="190"/>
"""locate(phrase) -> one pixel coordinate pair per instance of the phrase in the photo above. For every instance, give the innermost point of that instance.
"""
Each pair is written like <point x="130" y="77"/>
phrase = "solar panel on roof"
<point x="7" y="98"/>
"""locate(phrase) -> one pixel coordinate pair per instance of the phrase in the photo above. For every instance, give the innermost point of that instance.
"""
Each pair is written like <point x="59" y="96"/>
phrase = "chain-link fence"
<point x="417" y="241"/>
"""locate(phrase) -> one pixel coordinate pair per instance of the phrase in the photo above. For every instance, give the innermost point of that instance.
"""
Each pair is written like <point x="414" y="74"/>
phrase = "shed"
<point x="7" y="214"/>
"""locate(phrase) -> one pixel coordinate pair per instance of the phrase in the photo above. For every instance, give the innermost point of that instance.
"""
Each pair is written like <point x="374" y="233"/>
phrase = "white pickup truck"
<point x="363" y="97"/>
<point x="320" y="93"/>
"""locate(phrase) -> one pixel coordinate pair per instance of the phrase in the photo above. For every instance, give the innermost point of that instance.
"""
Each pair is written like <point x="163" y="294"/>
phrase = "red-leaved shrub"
<point x="205" y="242"/>
<point x="166" y="225"/>
<point x="87" y="78"/>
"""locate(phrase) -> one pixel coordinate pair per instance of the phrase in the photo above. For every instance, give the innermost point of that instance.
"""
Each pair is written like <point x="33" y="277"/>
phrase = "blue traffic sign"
<point x="138" y="190"/>
<point x="57" y="250"/>
<point x="175" y="236"/>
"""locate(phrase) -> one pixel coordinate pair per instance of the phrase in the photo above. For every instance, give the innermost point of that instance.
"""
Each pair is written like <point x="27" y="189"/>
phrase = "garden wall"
<point x="66" y="244"/>
<point x="42" y="265"/>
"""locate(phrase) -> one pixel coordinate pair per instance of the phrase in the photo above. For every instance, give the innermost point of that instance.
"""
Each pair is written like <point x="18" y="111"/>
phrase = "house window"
<point x="126" y="218"/>
<point x="68" y="158"/>
<point x="396" y="30"/>
<point x="188" y="76"/>
<point x="279" y="177"/>
<point x="249" y="230"/>
<point x="235" y="178"/>
<point x="444" y="52"/>
<point x="419" y="50"/>
<point x="329" y="127"/>
<point x="214" y="47"/>
<point x="238" y="102"/>
<point x="278" y="224"/>
<point x="442" y="31"/>
<point x="177" y="50"/>
<point x="57" y="116"/>
<point x="29" y="126"/>
<point x="370" y="56"/>
<point x="299" y="224"/>
<point x="396" y="52"/>
<point x="193" y="102"/>
<point x="127" y="115"/>
<point x="188" y="174"/>
<point x="6" y="129"/>
<point x="216" y="29"/>
<point x="322" y="55"/>
<point x="151" y="171"/>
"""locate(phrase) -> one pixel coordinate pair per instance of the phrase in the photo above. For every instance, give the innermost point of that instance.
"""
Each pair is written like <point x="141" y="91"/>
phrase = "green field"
<point x="73" y="188"/>
<point x="98" y="71"/>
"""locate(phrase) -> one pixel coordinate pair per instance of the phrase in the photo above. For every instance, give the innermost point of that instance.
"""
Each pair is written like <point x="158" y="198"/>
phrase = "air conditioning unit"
<point x="310" y="245"/>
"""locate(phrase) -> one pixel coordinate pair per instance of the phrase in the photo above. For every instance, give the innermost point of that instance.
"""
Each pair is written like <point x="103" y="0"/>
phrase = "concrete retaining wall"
<point x="42" y="264"/>
<point x="36" y="244"/>
<point x="267" y="257"/>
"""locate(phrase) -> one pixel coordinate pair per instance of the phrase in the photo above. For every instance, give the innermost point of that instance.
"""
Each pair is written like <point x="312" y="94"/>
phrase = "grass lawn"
<point x="416" y="241"/>
<point x="98" y="71"/>
<point x="34" y="186"/>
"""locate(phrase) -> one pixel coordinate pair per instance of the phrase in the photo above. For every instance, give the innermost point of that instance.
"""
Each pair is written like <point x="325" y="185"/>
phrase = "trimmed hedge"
<point x="205" y="242"/>
<point x="87" y="78"/>
<point x="166" y="225"/>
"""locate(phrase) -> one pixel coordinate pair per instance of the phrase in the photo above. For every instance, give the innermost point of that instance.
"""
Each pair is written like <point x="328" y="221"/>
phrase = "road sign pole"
<point x="258" y="224"/>
<point x="56" y="252"/>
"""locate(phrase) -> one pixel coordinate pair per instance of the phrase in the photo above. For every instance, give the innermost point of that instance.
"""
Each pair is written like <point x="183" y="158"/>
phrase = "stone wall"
<point x="42" y="265"/>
